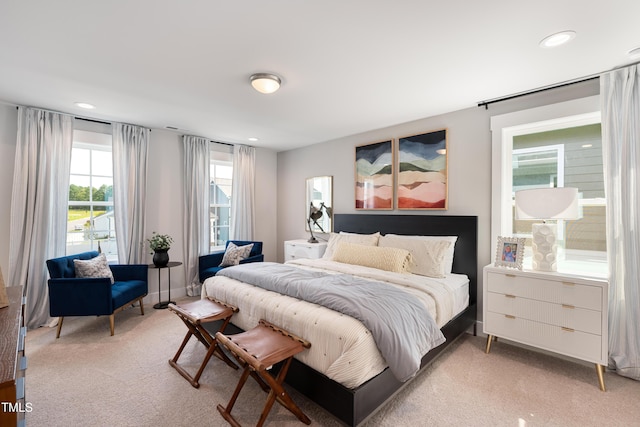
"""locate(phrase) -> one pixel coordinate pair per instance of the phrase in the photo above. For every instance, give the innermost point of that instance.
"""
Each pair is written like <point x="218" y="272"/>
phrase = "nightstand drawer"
<point x="566" y="341"/>
<point x="554" y="291"/>
<point x="294" y="249"/>
<point x="569" y="316"/>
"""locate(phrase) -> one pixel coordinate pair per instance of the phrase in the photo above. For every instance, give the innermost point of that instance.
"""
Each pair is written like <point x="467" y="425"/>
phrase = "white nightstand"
<point x="294" y="249"/>
<point x="558" y="312"/>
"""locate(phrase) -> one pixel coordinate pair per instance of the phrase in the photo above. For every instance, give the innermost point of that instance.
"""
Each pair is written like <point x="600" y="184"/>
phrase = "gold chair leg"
<point x="112" y="323"/>
<point x="489" y="339"/>
<point x="60" y="319"/>
<point x="600" y="372"/>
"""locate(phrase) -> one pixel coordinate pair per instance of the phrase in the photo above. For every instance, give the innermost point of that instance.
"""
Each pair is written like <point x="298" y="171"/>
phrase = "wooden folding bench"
<point x="194" y="315"/>
<point x="257" y="350"/>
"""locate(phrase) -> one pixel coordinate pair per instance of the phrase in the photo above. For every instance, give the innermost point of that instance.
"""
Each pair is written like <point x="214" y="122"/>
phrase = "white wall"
<point x="165" y="209"/>
<point x="469" y="163"/>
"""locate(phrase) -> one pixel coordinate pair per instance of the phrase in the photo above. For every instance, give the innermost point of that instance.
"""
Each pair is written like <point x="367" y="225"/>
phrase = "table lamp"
<point x="546" y="204"/>
<point x="314" y="215"/>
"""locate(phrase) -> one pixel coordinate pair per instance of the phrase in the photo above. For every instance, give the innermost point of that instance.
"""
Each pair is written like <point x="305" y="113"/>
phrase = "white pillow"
<point x="234" y="254"/>
<point x="360" y="239"/>
<point x="389" y="259"/>
<point x="97" y="267"/>
<point x="432" y="255"/>
<point x="449" y="256"/>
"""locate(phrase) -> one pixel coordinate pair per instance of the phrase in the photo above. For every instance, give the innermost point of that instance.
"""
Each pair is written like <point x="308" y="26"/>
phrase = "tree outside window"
<point x="91" y="221"/>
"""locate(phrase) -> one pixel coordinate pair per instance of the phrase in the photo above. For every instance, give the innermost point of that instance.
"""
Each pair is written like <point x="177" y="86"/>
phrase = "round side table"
<point x="169" y="266"/>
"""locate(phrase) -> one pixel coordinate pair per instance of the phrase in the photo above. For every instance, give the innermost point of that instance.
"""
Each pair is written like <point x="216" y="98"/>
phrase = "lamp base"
<point x="312" y="240"/>
<point x="545" y="248"/>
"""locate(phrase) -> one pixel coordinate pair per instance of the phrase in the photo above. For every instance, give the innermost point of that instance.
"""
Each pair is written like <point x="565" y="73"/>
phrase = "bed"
<point x="354" y="382"/>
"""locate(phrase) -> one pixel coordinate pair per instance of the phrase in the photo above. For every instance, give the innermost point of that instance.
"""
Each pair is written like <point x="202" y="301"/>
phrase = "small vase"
<point x="161" y="257"/>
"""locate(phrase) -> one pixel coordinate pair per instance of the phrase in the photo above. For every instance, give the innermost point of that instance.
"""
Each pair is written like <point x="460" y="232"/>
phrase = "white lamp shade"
<point x="547" y="203"/>
<point x="265" y="83"/>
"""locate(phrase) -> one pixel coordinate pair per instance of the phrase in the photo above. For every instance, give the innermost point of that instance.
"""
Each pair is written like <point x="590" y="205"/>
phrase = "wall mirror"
<point x="319" y="208"/>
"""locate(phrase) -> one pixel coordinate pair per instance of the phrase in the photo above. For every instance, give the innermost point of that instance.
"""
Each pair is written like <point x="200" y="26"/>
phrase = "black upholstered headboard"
<point x="465" y="260"/>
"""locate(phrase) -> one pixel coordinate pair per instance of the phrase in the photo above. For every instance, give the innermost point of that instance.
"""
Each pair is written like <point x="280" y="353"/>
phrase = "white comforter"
<point x="342" y="348"/>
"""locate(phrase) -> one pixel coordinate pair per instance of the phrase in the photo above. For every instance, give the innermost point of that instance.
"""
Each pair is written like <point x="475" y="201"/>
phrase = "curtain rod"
<point x="93" y="120"/>
<point x="210" y="140"/>
<point x="67" y="114"/>
<point x="486" y="103"/>
<point x="86" y="119"/>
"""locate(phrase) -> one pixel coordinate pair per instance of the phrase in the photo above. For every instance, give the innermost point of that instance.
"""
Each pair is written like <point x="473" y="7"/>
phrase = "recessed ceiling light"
<point x="85" y="105"/>
<point x="253" y="139"/>
<point x="587" y="145"/>
<point x="557" y="39"/>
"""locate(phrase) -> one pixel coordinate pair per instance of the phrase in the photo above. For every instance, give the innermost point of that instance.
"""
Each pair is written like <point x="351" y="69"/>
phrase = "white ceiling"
<point x="348" y="66"/>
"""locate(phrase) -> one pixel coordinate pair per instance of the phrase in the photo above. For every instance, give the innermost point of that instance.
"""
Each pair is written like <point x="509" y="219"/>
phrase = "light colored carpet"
<point x="89" y="378"/>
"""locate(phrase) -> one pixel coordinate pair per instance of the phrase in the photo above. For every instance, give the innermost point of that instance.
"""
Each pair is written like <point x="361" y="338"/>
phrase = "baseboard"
<point x="152" y="297"/>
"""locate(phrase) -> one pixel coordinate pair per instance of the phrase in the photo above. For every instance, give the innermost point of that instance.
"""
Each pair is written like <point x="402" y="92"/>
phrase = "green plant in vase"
<point x="160" y="245"/>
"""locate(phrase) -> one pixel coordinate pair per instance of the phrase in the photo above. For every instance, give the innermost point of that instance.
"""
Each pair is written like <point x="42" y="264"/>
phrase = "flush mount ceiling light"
<point x="85" y="105"/>
<point x="557" y="39"/>
<point x="265" y="83"/>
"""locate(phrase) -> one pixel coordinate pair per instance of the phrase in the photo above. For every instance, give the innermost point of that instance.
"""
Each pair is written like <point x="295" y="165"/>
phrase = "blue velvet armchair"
<point x="209" y="265"/>
<point x="73" y="296"/>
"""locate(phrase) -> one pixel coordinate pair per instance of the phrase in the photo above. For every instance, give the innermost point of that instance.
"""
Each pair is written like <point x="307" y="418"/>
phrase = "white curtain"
<point x="130" y="148"/>
<point x="620" y="97"/>
<point x="196" y="203"/>
<point x="242" y="200"/>
<point x="39" y="205"/>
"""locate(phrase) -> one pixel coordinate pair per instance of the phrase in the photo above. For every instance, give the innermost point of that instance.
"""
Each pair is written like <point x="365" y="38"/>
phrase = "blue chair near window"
<point x="209" y="265"/>
<point x="73" y="296"/>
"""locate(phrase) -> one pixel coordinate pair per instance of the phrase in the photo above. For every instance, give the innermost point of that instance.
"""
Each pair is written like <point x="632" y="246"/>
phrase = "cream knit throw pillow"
<point x="389" y="259"/>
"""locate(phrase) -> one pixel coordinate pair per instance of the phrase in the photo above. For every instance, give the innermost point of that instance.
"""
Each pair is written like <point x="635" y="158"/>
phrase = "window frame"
<point x="217" y="152"/>
<point x="93" y="141"/>
<point x="505" y="127"/>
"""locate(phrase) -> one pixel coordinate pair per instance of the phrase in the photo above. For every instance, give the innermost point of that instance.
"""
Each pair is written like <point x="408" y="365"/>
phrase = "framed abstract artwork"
<point x="374" y="175"/>
<point x="422" y="171"/>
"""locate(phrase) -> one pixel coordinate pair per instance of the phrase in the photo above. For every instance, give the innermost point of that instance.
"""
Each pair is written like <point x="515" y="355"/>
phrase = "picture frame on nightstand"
<point x="509" y="252"/>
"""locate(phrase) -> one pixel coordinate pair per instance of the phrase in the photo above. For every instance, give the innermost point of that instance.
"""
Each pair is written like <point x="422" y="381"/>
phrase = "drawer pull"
<point x="568" y="306"/>
<point x="568" y="283"/>
<point x="510" y="275"/>
<point x="509" y="296"/>
<point x="568" y="329"/>
<point x="508" y="316"/>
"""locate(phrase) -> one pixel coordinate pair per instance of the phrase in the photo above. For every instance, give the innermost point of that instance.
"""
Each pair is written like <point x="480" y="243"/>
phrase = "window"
<point x="552" y="147"/>
<point x="90" y="223"/>
<point x="575" y="162"/>
<point x="538" y="166"/>
<point x="221" y="178"/>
